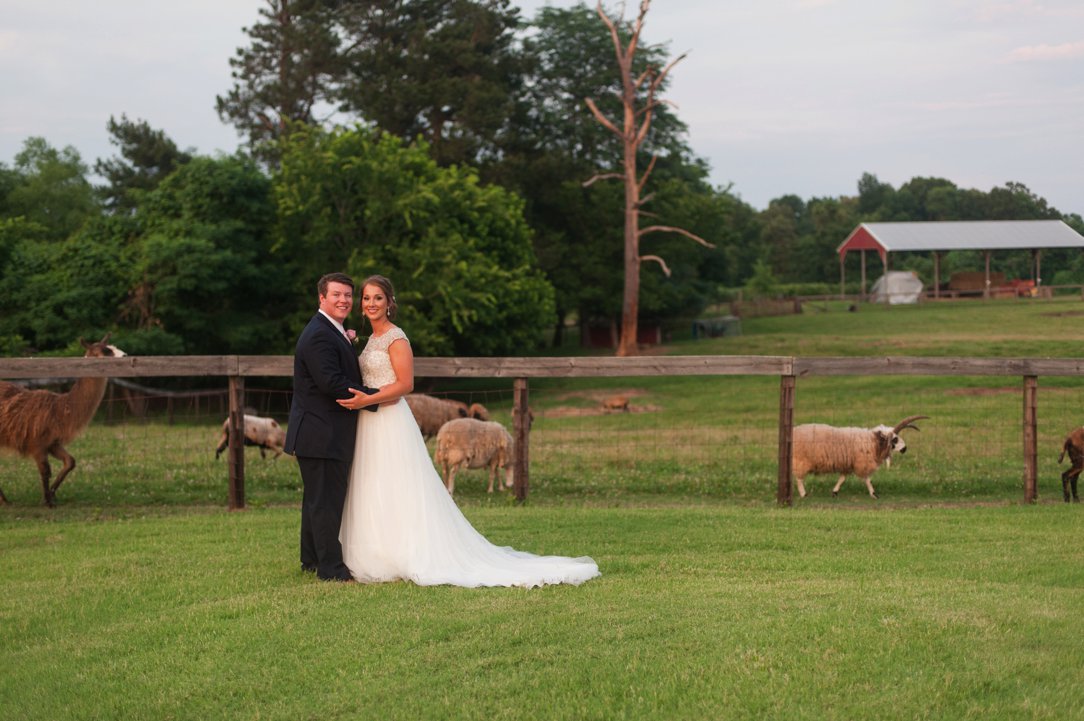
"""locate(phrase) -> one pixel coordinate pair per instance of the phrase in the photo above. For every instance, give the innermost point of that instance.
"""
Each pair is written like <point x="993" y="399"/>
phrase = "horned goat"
<point x="471" y="443"/>
<point x="1074" y="446"/>
<point x="39" y="423"/>
<point x="820" y="448"/>
<point x="431" y="413"/>
<point x="263" y="432"/>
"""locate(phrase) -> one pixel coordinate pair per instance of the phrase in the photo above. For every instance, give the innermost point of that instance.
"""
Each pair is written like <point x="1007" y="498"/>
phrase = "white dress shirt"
<point x="334" y="322"/>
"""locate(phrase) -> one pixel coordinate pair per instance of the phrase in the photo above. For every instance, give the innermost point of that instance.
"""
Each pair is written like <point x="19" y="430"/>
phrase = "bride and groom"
<point x="374" y="508"/>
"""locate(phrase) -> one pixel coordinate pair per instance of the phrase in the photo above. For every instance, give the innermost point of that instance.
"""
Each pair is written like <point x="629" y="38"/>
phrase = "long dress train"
<point x="399" y="522"/>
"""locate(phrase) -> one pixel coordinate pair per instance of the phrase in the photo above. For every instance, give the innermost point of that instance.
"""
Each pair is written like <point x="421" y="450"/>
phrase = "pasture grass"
<point x="991" y="329"/>
<point x="139" y="597"/>
<point x="705" y="611"/>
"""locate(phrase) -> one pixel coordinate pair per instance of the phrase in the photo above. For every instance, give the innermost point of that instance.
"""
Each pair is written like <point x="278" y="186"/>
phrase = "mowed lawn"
<point x="709" y="611"/>
<point x="141" y="597"/>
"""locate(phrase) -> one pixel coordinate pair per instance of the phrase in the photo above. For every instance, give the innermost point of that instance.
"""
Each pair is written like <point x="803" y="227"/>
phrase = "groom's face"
<point x="338" y="301"/>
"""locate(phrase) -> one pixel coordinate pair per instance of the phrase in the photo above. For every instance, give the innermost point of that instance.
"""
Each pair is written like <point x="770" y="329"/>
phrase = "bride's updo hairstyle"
<point x="389" y="292"/>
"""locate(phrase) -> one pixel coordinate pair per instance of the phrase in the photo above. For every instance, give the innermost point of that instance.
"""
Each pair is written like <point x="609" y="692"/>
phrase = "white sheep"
<point x="259" y="431"/>
<point x="431" y="413"/>
<point x="820" y="448"/>
<point x="471" y="443"/>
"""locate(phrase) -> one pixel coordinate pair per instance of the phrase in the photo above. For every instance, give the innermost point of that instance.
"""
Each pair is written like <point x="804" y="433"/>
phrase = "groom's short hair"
<point x="321" y="285"/>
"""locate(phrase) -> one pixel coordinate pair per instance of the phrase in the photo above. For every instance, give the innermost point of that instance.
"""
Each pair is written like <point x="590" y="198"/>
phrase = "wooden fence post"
<point x="786" y="438"/>
<point x="521" y="426"/>
<point x="1031" y="438"/>
<point x="237" y="443"/>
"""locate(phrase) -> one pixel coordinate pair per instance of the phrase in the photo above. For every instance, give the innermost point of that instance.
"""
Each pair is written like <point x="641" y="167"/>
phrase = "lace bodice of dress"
<point x="376" y="370"/>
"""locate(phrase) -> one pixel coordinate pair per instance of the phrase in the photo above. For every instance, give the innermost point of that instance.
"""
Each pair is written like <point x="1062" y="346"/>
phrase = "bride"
<point x="399" y="521"/>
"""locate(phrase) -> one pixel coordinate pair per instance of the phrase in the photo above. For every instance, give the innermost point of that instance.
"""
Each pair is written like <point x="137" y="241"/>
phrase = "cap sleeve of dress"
<point x="391" y="336"/>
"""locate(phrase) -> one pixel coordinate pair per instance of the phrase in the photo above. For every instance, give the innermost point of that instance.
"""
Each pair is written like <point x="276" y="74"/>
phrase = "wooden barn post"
<point x="936" y="274"/>
<point x="1031" y="438"/>
<point x="786" y="439"/>
<point x="862" y="259"/>
<point x="986" y="285"/>
<point x="236" y="451"/>
<point x="521" y="426"/>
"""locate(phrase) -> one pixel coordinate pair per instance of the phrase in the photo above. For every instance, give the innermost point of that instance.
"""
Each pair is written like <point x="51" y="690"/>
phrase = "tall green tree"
<point x="783" y="224"/>
<point x="458" y="251"/>
<point x="146" y="157"/>
<point x="72" y="288"/>
<point x="442" y="70"/>
<point x="286" y="73"/>
<point x="49" y="187"/>
<point x="201" y="274"/>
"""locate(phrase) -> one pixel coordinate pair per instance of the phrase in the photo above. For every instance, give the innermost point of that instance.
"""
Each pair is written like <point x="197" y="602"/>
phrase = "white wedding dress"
<point x="400" y="523"/>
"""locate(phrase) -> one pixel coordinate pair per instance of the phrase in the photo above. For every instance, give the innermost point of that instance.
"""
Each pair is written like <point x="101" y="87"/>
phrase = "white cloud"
<point x="1047" y="52"/>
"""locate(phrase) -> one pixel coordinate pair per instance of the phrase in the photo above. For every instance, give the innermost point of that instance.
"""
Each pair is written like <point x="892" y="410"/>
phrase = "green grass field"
<point x="947" y="598"/>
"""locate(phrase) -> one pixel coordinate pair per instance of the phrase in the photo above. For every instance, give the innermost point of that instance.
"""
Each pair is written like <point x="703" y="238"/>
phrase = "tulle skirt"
<point x="399" y="523"/>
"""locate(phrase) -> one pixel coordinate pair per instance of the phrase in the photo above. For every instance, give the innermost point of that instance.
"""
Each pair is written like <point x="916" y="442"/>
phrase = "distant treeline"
<point x="459" y="173"/>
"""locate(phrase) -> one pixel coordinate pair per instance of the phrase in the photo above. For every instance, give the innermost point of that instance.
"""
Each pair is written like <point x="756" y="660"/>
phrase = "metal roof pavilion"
<point x="961" y="235"/>
<point x="942" y="236"/>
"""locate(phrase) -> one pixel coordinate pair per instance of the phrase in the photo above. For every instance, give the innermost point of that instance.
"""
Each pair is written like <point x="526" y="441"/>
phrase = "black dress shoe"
<point x="338" y="579"/>
<point x="308" y="569"/>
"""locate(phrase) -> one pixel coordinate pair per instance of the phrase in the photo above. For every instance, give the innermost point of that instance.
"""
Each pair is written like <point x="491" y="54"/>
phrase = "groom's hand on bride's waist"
<point x="354" y="402"/>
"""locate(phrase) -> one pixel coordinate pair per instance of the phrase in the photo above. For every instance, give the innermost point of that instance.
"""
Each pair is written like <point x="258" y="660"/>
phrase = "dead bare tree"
<point x="633" y="131"/>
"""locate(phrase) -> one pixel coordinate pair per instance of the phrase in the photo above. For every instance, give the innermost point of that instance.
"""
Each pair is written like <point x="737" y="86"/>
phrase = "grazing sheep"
<point x="431" y="413"/>
<point x="464" y="409"/>
<point x="478" y="411"/>
<point x="262" y="432"/>
<point x="471" y="443"/>
<point x="474" y="410"/>
<point x="820" y="448"/>
<point x="38" y="424"/>
<point x="1074" y="446"/>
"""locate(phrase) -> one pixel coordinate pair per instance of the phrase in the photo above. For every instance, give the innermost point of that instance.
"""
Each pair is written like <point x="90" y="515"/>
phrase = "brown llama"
<point x="37" y="424"/>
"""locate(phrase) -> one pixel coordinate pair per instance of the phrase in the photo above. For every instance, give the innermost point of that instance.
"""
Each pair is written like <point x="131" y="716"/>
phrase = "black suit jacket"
<point x="325" y="366"/>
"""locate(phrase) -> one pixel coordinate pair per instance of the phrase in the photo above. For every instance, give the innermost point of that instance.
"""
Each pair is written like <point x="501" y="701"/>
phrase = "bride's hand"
<point x="360" y="400"/>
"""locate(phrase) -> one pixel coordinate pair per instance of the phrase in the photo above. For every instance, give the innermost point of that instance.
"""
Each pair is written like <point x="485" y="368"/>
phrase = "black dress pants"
<point x="325" y="481"/>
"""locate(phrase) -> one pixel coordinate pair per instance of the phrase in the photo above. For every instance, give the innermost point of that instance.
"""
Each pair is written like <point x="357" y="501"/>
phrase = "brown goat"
<point x="37" y="424"/>
<point x="1074" y="446"/>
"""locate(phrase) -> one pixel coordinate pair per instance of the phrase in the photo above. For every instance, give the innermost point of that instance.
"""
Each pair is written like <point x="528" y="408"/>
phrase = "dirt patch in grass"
<point x="602" y="395"/>
<point x="982" y="391"/>
<point x="567" y="411"/>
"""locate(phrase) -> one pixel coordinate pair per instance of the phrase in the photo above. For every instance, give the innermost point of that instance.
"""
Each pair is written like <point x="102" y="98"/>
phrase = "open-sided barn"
<point x="937" y="237"/>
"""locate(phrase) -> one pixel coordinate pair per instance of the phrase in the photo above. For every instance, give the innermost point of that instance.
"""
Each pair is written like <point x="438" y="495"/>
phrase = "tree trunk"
<point x="634" y="129"/>
<point x="630" y="306"/>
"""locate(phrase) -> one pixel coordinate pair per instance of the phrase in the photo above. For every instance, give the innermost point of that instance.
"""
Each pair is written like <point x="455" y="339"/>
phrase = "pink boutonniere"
<point x="352" y="335"/>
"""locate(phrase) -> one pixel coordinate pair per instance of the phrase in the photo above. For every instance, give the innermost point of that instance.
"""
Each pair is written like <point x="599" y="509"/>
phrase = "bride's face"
<point x="374" y="304"/>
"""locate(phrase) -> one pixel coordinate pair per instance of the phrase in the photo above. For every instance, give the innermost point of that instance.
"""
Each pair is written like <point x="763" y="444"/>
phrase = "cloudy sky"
<point x="780" y="96"/>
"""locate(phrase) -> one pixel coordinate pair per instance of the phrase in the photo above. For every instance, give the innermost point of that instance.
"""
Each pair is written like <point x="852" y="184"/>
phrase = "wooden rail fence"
<point x="789" y="369"/>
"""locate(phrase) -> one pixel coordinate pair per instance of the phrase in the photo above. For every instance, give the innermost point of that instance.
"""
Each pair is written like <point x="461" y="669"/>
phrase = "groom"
<point x="321" y="433"/>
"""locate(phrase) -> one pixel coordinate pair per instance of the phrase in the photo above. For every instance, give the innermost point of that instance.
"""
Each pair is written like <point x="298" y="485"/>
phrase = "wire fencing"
<point x="607" y="429"/>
